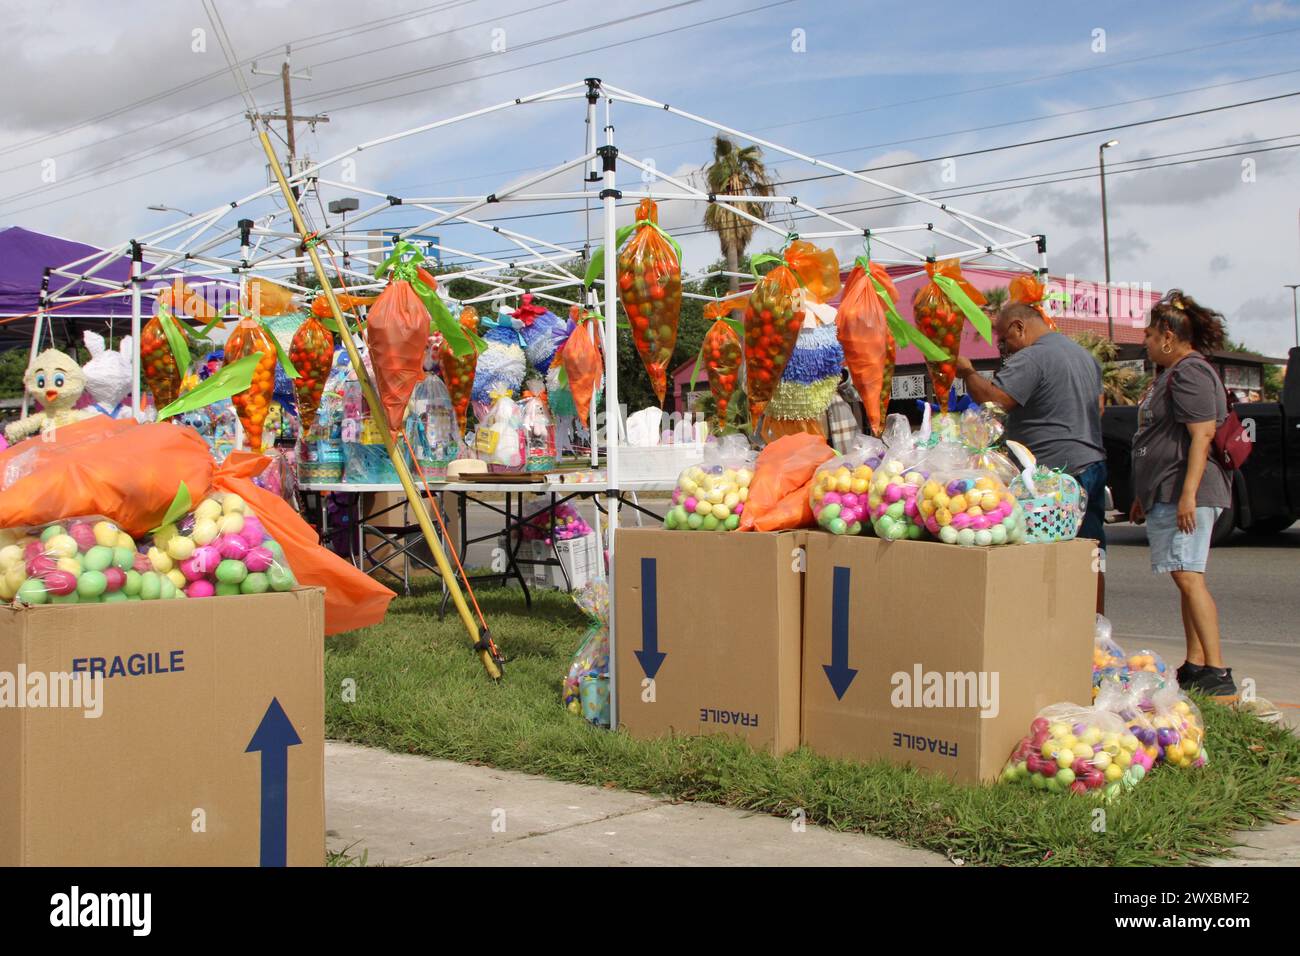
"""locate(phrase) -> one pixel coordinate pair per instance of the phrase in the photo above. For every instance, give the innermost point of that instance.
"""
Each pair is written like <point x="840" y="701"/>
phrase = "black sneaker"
<point x="1188" y="672"/>
<point x="1215" y="682"/>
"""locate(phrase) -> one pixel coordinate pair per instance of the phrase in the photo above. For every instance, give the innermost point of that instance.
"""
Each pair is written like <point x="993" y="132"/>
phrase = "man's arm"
<point x="981" y="389"/>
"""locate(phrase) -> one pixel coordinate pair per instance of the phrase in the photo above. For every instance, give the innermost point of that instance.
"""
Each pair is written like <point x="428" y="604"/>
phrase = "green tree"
<point x="735" y="171"/>
<point x="995" y="299"/>
<point x="1270" y="375"/>
<point x="1120" y="384"/>
<point x="13" y="363"/>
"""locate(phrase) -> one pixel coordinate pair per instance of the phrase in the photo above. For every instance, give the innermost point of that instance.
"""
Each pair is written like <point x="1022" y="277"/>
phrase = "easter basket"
<point x="1053" y="503"/>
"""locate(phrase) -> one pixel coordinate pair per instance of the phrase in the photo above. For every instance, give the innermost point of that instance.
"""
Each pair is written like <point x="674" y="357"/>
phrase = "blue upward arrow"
<point x="649" y="656"/>
<point x="838" y="671"/>
<point x="273" y="737"/>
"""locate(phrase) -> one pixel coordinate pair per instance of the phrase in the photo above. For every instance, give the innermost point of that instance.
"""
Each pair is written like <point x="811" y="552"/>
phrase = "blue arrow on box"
<point x="273" y="738"/>
<point x="838" y="671"/>
<point x="649" y="656"/>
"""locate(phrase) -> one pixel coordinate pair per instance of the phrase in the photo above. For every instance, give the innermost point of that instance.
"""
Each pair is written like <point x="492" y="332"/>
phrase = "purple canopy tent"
<point x="24" y="258"/>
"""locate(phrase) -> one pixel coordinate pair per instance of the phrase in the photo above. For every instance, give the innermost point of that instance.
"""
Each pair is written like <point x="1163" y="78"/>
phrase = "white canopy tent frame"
<point x="543" y="268"/>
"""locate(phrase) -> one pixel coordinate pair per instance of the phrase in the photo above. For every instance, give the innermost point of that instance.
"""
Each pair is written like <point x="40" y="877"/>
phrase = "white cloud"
<point x="1273" y="12"/>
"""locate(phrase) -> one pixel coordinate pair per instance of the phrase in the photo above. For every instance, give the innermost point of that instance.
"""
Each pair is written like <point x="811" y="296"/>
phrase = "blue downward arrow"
<point x="838" y="671"/>
<point x="649" y="656"/>
<point x="273" y="737"/>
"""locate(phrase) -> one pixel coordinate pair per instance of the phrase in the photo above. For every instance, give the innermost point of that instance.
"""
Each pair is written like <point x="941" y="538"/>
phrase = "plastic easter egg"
<point x="65" y="598"/>
<point x="232" y="523"/>
<point x="59" y="582"/>
<point x="105" y="534"/>
<point x="124" y="558"/>
<point x="150" y="586"/>
<point x="256" y="583"/>
<point x="33" y="591"/>
<point x="177" y="579"/>
<point x="838" y="526"/>
<point x="160" y="561"/>
<point x="84" y="535"/>
<point x="114" y="578"/>
<point x="180" y="547"/>
<point x="232" y="505"/>
<point x="232" y="546"/>
<point x="97" y="558"/>
<point x="254" y="533"/>
<point x="200" y="589"/>
<point x="983" y="539"/>
<point x="274" y="547"/>
<point x="51" y="531"/>
<point x="91" y="584"/>
<point x="60" y="546"/>
<point x="113" y="597"/>
<point x="281" y="578"/>
<point x="191" y="569"/>
<point x="124" y="540"/>
<point x="225" y="589"/>
<point x="131" y="586"/>
<point x="966" y="537"/>
<point x="694" y="521"/>
<point x="166" y="588"/>
<point x="732" y="522"/>
<point x="948" y="534"/>
<point x="207" y="558"/>
<point x="164" y="535"/>
<point x="209" y="508"/>
<point x="997" y="534"/>
<point x="709" y="523"/>
<point x="720" y="512"/>
<point x="205" y="531"/>
<point x="670" y="520"/>
<point x="231" y="571"/>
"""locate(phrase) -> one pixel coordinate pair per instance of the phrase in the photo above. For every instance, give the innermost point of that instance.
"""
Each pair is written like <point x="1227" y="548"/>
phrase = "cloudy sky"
<point x="107" y="113"/>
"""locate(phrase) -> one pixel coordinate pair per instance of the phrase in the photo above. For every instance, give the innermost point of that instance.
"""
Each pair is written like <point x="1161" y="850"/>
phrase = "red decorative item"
<point x="723" y="354"/>
<point x="941" y="321"/>
<point x="161" y="376"/>
<point x="650" y="285"/>
<point x="312" y="354"/>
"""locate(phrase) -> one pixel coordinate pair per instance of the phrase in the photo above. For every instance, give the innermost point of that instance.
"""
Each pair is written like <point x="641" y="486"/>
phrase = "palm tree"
<point x="995" y="299"/>
<point x="735" y="171"/>
<point x="1121" y="385"/>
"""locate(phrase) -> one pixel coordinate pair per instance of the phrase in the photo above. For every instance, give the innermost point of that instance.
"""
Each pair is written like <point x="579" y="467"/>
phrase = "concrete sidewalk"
<point x="402" y="810"/>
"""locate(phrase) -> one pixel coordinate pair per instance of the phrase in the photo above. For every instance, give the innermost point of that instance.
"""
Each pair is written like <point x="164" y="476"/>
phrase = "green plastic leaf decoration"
<point x="180" y="506"/>
<point x="281" y="355"/>
<point x="953" y="290"/>
<point x="229" y="380"/>
<point x="175" y="338"/>
<point x="596" y="266"/>
<point x="904" y="332"/>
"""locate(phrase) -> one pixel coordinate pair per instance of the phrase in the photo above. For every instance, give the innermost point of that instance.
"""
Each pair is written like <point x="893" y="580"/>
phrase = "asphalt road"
<point x="1256" y="582"/>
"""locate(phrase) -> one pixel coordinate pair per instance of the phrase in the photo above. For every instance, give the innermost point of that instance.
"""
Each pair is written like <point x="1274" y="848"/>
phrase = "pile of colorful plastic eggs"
<point x="709" y="498"/>
<point x="971" y="510"/>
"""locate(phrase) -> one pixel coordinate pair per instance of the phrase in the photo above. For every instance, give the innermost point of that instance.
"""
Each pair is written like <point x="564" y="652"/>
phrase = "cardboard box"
<point x="209" y="746"/>
<point x="906" y="644"/>
<point x="708" y="634"/>
<point x="580" y="558"/>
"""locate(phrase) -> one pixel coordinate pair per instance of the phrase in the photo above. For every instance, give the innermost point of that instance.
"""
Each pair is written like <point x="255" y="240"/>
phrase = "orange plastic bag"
<point x="582" y="364"/>
<point x="265" y="298"/>
<point x="320" y="306"/>
<point x="397" y="328"/>
<point x="650" y="285"/>
<point x="723" y="354"/>
<point x="941" y="321"/>
<point x="353" y="599"/>
<point x="126" y="472"/>
<point x="131" y="473"/>
<point x="458" y="370"/>
<point x="253" y="403"/>
<point x="774" y="316"/>
<point x="867" y="340"/>
<point x="179" y="297"/>
<point x="312" y="354"/>
<point x="778" y="494"/>
<point x="1027" y="289"/>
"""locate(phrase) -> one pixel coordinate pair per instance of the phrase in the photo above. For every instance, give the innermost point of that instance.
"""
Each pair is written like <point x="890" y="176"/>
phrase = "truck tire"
<point x="1223" y="527"/>
<point x="1269" y="526"/>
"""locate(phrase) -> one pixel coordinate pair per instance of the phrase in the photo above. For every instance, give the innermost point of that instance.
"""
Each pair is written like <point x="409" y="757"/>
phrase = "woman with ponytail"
<point x="1179" y="488"/>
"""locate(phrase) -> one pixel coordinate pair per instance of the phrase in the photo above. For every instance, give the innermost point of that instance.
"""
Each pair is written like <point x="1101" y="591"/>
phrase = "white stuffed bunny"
<point x="108" y="376"/>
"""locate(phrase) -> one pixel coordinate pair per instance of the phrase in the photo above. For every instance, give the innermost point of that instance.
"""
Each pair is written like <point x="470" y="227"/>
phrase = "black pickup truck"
<point x="1265" y="492"/>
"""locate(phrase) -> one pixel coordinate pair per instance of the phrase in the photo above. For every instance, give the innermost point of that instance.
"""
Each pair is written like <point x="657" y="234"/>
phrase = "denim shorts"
<point x="1174" y="550"/>
<point x="1092" y="480"/>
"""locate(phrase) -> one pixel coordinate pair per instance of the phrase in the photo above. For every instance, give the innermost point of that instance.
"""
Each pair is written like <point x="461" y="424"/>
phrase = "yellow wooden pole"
<point x="377" y="411"/>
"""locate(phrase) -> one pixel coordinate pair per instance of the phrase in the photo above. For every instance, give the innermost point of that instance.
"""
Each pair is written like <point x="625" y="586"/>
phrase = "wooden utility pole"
<point x="288" y="118"/>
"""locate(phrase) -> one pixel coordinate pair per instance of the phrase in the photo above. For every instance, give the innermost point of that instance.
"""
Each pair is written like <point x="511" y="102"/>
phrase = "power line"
<point x="971" y="190"/>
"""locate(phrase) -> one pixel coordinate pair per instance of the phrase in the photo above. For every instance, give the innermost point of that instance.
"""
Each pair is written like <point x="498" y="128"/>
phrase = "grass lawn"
<point x="420" y="689"/>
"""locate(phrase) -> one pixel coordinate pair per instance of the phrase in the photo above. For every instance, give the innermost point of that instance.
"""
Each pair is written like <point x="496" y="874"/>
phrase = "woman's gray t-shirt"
<point x="1188" y="391"/>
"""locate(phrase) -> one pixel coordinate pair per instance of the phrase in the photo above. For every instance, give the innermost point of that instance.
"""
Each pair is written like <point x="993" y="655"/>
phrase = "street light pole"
<point x="1295" y="315"/>
<point x="1105" y="233"/>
